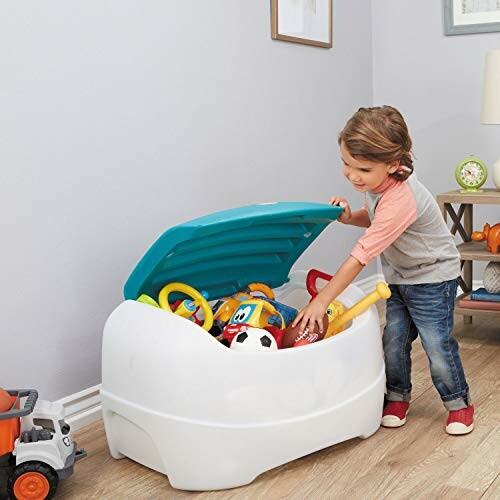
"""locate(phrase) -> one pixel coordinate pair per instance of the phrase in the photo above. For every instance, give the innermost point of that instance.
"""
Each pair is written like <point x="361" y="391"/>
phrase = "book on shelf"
<point x="483" y="295"/>
<point x="479" y="304"/>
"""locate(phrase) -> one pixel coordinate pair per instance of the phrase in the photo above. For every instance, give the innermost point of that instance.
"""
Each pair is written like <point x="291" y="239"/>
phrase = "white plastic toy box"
<point x="178" y="401"/>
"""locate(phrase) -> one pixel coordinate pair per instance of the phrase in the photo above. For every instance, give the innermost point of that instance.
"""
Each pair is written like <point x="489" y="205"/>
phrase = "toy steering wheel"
<point x="262" y="288"/>
<point x="198" y="300"/>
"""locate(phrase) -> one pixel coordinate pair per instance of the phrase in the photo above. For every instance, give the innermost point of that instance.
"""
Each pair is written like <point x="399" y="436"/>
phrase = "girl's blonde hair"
<point x="379" y="134"/>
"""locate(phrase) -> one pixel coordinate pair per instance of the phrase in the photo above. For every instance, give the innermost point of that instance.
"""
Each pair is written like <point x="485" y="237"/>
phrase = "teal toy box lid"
<point x="223" y="252"/>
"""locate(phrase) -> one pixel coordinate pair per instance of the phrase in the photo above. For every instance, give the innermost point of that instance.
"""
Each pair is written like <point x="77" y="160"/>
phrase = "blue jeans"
<point x="425" y="310"/>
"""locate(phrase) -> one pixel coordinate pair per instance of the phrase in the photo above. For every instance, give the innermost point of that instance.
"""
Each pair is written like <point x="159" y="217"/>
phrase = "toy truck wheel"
<point x="32" y="481"/>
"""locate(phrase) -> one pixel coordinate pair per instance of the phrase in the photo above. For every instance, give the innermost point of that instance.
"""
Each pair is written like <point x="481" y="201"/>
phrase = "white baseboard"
<point x="84" y="407"/>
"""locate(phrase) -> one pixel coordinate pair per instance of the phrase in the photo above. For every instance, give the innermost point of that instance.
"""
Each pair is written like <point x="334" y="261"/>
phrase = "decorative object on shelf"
<point x="482" y="305"/>
<point x="489" y="234"/>
<point x="490" y="112"/>
<point x="491" y="279"/>
<point x="471" y="174"/>
<point x="465" y="17"/>
<point x="302" y="21"/>
<point x="481" y="295"/>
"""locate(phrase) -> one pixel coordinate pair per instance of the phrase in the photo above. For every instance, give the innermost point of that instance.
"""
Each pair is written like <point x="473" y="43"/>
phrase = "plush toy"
<point x="491" y="277"/>
<point x="489" y="234"/>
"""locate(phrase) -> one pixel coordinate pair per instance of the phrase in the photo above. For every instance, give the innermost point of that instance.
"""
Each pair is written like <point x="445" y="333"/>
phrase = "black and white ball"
<point x="254" y="340"/>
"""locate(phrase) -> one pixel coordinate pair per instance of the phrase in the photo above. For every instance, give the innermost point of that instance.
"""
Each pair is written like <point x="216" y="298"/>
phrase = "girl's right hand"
<point x="342" y="202"/>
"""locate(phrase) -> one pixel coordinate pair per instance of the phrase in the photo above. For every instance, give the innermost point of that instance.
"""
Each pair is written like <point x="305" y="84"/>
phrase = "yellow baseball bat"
<point x="381" y="292"/>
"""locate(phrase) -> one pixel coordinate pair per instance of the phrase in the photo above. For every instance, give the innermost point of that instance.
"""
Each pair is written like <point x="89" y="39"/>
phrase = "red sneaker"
<point x="460" y="421"/>
<point x="394" y="414"/>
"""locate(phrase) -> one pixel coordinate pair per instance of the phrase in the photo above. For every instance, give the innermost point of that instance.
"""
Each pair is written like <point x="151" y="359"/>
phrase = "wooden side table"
<point x="469" y="250"/>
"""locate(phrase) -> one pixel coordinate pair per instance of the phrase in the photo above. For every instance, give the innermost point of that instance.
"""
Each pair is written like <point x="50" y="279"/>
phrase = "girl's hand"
<point x="313" y="313"/>
<point x="346" y="215"/>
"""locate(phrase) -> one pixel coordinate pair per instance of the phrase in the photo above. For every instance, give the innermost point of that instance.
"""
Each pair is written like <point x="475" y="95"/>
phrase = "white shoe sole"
<point x="392" y="421"/>
<point x="456" y="428"/>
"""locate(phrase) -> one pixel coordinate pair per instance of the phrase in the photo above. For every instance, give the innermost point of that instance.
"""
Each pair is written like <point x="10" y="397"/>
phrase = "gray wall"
<point x="436" y="82"/>
<point x="121" y="119"/>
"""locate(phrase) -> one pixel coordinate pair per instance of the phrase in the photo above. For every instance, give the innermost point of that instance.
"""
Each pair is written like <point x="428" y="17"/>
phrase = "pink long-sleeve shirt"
<point x="408" y="231"/>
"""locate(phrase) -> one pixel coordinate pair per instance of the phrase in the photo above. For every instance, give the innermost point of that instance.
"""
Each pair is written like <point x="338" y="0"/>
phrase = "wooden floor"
<point x="417" y="461"/>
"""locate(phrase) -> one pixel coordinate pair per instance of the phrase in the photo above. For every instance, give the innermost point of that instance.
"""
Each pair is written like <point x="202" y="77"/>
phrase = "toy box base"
<point x="177" y="401"/>
<point x="202" y="457"/>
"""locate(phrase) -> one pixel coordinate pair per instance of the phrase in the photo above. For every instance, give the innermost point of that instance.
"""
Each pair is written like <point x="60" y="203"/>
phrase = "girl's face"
<point x="365" y="175"/>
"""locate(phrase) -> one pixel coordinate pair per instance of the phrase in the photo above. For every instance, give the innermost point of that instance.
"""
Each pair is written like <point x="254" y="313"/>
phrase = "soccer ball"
<point x="253" y="340"/>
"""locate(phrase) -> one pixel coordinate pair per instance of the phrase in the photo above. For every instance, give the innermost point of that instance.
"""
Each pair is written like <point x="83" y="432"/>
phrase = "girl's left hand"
<point x="346" y="215"/>
<point x="313" y="313"/>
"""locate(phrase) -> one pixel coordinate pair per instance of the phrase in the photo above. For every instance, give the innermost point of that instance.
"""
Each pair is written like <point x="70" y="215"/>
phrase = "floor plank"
<point x="481" y="466"/>
<point x="493" y="492"/>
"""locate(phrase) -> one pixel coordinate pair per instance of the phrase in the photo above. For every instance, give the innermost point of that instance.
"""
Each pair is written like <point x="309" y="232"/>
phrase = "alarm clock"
<point x="471" y="174"/>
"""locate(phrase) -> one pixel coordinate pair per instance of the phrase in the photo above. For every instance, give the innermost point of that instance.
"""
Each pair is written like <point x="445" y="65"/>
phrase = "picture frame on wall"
<point x="464" y="17"/>
<point x="302" y="21"/>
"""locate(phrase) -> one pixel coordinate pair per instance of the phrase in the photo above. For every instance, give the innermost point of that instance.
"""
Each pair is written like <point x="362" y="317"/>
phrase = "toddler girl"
<point x="419" y="260"/>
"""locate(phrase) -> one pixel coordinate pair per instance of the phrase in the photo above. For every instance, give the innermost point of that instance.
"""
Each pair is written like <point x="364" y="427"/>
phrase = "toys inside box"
<point x="252" y="320"/>
<point x="220" y="271"/>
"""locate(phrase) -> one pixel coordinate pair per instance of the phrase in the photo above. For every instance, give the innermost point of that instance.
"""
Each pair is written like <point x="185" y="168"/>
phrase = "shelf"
<point x="486" y="197"/>
<point x="473" y="312"/>
<point x="475" y="250"/>
<point x="470" y="250"/>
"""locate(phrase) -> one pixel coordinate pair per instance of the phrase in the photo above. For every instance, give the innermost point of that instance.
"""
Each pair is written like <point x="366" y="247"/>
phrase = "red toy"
<point x="312" y="278"/>
<point x="174" y="305"/>
<point x="277" y="333"/>
<point x="230" y="331"/>
<point x="491" y="235"/>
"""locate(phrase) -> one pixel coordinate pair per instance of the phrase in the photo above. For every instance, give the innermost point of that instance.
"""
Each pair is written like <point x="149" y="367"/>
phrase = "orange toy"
<point x="36" y="449"/>
<point x="5" y="400"/>
<point x="9" y="429"/>
<point x="224" y="308"/>
<point x="491" y="235"/>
